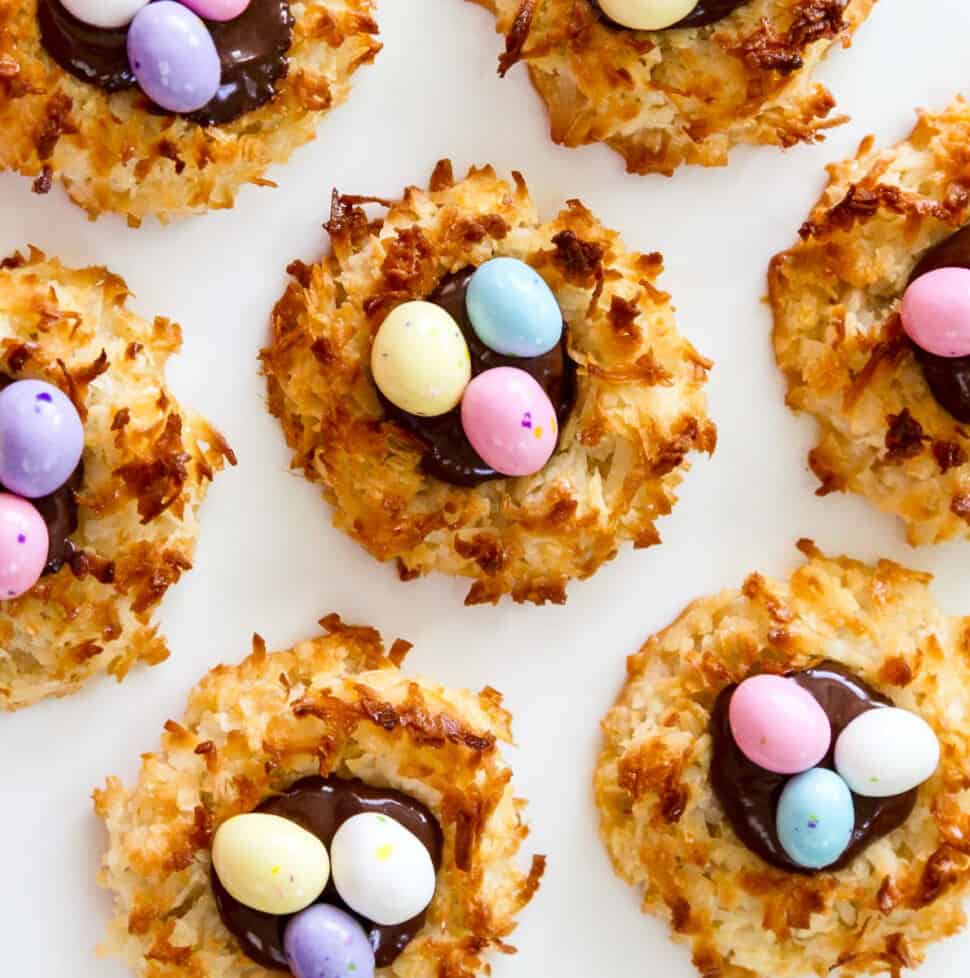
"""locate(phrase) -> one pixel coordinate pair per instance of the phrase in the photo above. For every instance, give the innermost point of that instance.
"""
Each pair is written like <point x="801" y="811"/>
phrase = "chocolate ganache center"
<point x="59" y="512"/>
<point x="448" y="454"/>
<point x="321" y="806"/>
<point x="749" y="794"/>
<point x="252" y="52"/>
<point x="706" y="12"/>
<point x="948" y="377"/>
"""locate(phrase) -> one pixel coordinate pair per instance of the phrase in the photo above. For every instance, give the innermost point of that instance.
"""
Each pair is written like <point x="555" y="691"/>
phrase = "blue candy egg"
<point x="324" y="942"/>
<point x="512" y="310"/>
<point x="815" y="818"/>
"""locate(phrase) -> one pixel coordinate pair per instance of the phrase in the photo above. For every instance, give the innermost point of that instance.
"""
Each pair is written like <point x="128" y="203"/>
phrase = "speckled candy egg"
<point x="420" y="360"/>
<point x="270" y="863"/>
<point x="885" y="752"/>
<point x="512" y="310"/>
<point x="23" y="546"/>
<point x="510" y="421"/>
<point x="381" y="870"/>
<point x="324" y="942"/>
<point x="778" y="725"/>
<point x="104" y="13"/>
<point x="815" y="818"/>
<point x="936" y="312"/>
<point x="647" y="15"/>
<point x="218" y="10"/>
<point x="173" y="56"/>
<point x="41" y="438"/>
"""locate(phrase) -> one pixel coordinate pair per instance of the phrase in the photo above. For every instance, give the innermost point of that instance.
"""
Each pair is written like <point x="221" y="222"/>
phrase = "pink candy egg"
<point x="778" y="725"/>
<point x="23" y="546"/>
<point x="509" y="421"/>
<point x="219" y="10"/>
<point x="936" y="312"/>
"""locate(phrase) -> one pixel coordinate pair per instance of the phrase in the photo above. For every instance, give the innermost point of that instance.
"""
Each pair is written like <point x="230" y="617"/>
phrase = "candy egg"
<point x="23" y="546"/>
<point x="41" y="438"/>
<point x="420" y="360"/>
<point x="381" y="870"/>
<point x="936" y="312"/>
<point x="885" y="752"/>
<point x="324" y="942"/>
<point x="778" y="725"/>
<point x="270" y="863"/>
<point x="512" y="310"/>
<point x="815" y="818"/>
<point x="104" y="13"/>
<point x="173" y="56"/>
<point x="647" y="15"/>
<point x="219" y="10"/>
<point x="509" y="421"/>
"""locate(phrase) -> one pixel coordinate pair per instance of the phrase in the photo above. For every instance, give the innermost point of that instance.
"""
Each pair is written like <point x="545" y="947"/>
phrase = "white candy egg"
<point x="885" y="752"/>
<point x="647" y="15"/>
<point x="381" y="870"/>
<point x="270" y="863"/>
<point x="105" y="13"/>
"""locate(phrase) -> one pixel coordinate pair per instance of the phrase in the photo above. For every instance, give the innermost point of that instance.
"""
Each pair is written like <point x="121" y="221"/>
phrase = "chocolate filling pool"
<point x="59" y="511"/>
<point x="321" y="806"/>
<point x="948" y="377"/>
<point x="749" y="794"/>
<point x="252" y="51"/>
<point x="448" y="454"/>
<point x="706" y="12"/>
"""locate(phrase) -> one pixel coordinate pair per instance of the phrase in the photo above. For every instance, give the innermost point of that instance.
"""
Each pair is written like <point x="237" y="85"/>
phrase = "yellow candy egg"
<point x="420" y="359"/>
<point x="270" y="863"/>
<point x="647" y="15"/>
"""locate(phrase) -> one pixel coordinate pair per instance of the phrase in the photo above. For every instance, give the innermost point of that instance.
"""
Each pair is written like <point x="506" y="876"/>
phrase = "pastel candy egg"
<point x="381" y="870"/>
<point x="815" y="818"/>
<point x="23" y="546"/>
<point x="104" y="13"/>
<point x="512" y="310"/>
<point x="324" y="942"/>
<point x="420" y="360"/>
<point x="41" y="438"/>
<point x="219" y="10"/>
<point x="778" y="725"/>
<point x="647" y="15"/>
<point x="270" y="863"/>
<point x="509" y="421"/>
<point x="936" y="312"/>
<point x="886" y="751"/>
<point x="173" y="56"/>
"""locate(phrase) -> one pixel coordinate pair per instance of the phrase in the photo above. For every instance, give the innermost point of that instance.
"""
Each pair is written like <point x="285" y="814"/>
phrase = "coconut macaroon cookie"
<point x="101" y="478"/>
<point x="785" y="773"/>
<point x="483" y="393"/>
<point x="872" y="326"/>
<point x="167" y="108"/>
<point x="319" y="811"/>
<point x="668" y="82"/>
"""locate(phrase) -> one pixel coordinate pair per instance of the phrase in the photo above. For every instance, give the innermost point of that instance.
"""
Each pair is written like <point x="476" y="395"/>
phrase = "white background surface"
<point x="270" y="561"/>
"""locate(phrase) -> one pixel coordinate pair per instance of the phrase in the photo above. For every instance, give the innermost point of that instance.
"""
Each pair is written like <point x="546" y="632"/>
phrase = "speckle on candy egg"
<point x="935" y="312"/>
<point x="109" y="14"/>
<point x="647" y="15"/>
<point x="420" y="360"/>
<point x="324" y="942"/>
<point x="815" y="818"/>
<point x="512" y="310"/>
<point x="510" y="421"/>
<point x="778" y="725"/>
<point x="23" y="546"/>
<point x="381" y="870"/>
<point x="886" y="752"/>
<point x="270" y="863"/>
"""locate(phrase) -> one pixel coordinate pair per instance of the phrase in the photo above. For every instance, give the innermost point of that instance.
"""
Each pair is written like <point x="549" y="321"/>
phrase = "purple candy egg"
<point x="173" y="56"/>
<point x="324" y="942"/>
<point x="41" y="438"/>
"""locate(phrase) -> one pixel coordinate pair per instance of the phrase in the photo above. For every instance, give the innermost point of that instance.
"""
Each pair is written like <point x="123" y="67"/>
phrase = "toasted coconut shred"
<point x="147" y="466"/>
<point x="668" y="836"/>
<point x="665" y="98"/>
<point x="333" y="705"/>
<point x="839" y="340"/>
<point x="640" y="407"/>
<point x="111" y="154"/>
